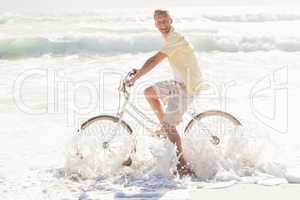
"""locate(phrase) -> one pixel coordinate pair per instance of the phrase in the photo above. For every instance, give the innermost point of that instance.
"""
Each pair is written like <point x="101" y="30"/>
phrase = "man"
<point x="176" y="94"/>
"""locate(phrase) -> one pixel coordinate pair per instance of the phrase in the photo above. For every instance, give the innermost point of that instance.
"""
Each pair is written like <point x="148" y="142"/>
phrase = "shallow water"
<point x="52" y="81"/>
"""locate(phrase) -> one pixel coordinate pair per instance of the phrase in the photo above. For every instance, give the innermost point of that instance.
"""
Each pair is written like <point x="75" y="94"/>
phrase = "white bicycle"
<point x="111" y="131"/>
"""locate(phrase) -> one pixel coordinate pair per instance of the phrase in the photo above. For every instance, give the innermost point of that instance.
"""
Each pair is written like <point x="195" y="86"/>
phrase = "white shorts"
<point x="173" y="95"/>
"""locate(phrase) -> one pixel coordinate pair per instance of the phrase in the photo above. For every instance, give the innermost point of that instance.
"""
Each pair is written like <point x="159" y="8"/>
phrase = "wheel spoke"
<point x="109" y="137"/>
<point x="213" y="123"/>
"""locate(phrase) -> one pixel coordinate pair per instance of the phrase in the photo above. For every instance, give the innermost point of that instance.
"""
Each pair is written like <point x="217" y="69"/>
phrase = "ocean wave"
<point x="2" y="21"/>
<point x="139" y="43"/>
<point x="139" y="16"/>
<point x="228" y="43"/>
<point x="35" y="47"/>
<point x="255" y="17"/>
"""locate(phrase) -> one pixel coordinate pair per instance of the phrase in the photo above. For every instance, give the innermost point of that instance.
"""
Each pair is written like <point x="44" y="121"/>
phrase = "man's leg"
<point x="175" y="139"/>
<point x="154" y="102"/>
<point x="176" y="107"/>
<point x="171" y="131"/>
<point x="182" y="167"/>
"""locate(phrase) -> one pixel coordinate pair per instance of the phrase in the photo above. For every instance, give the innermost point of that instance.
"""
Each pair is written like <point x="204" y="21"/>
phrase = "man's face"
<point x="163" y="24"/>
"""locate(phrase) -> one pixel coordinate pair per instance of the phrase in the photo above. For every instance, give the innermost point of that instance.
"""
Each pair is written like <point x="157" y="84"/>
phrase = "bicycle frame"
<point x="137" y="114"/>
<point x="124" y="108"/>
<point x="127" y="106"/>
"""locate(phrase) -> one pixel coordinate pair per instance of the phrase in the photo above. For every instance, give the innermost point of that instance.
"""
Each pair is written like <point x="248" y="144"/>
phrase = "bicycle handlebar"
<point x="130" y="76"/>
<point x="123" y="87"/>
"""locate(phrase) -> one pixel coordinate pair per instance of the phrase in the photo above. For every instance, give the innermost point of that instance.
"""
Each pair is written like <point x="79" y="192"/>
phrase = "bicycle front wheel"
<point x="214" y="124"/>
<point x="109" y="138"/>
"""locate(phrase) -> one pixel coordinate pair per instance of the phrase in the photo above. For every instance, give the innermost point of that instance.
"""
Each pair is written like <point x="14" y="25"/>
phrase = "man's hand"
<point x="131" y="80"/>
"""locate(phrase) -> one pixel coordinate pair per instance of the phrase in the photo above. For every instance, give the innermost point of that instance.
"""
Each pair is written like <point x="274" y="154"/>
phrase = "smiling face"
<point x="163" y="23"/>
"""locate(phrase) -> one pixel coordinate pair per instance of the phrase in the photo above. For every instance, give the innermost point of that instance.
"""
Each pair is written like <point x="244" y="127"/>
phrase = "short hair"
<point x="159" y="12"/>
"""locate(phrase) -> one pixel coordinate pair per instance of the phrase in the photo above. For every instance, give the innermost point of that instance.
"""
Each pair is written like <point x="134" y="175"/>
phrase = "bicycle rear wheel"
<point x="215" y="124"/>
<point x="111" y="137"/>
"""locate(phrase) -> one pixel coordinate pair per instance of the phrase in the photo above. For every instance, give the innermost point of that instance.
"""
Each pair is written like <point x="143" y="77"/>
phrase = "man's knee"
<point x="149" y="92"/>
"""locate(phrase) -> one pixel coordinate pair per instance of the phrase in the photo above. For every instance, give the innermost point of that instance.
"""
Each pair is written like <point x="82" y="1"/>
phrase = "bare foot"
<point x="184" y="170"/>
<point x="127" y="162"/>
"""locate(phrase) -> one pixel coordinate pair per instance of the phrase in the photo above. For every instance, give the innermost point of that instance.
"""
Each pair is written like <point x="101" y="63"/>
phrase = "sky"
<point x="7" y="5"/>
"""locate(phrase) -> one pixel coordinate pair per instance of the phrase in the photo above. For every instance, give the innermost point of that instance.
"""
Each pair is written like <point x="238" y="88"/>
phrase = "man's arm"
<point x="149" y="65"/>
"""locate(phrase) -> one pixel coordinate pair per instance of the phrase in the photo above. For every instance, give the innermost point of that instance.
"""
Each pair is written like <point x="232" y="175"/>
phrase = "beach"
<point x="58" y="69"/>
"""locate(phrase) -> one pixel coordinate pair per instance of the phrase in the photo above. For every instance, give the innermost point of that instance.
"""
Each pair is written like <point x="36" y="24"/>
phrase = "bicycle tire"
<point x="212" y="113"/>
<point x="114" y="119"/>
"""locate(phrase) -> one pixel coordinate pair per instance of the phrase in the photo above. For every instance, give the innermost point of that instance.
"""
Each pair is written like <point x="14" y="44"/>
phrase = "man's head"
<point x="163" y="21"/>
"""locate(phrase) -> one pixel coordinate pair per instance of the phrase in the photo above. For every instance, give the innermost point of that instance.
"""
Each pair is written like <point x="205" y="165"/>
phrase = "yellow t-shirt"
<point x="183" y="60"/>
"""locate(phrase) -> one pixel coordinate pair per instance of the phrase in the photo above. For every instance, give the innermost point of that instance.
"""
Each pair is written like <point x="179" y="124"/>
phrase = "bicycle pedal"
<point x="215" y="140"/>
<point x="127" y="162"/>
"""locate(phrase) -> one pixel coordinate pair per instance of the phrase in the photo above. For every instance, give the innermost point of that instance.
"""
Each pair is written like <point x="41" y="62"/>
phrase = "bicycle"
<point x="115" y="127"/>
